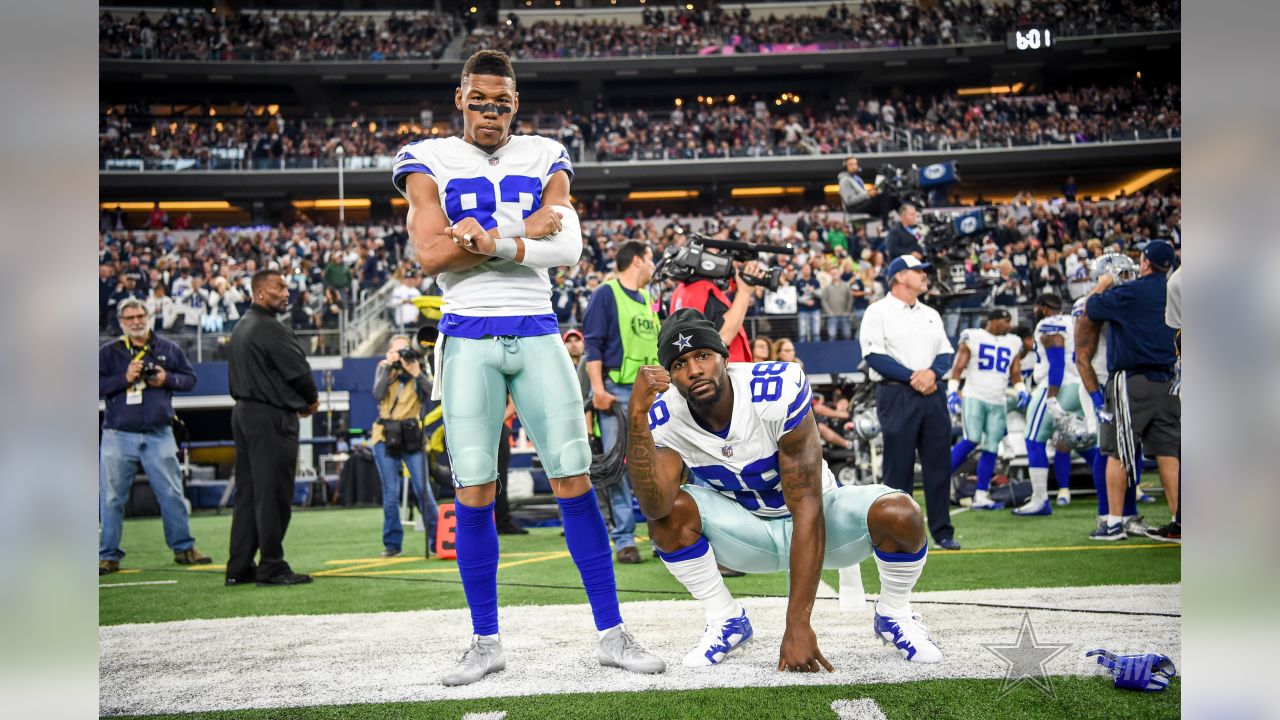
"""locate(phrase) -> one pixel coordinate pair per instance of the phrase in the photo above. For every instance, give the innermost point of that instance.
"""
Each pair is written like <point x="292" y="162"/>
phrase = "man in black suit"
<point x="902" y="239"/>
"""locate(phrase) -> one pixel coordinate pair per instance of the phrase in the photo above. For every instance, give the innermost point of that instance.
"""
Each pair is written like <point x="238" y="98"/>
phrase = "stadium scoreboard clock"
<point x="1036" y="38"/>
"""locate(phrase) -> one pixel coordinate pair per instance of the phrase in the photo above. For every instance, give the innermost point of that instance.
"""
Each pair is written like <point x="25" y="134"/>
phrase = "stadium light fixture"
<point x="177" y="205"/>
<point x="732" y="98"/>
<point x="679" y="102"/>
<point x="662" y="194"/>
<point x="332" y="203"/>
<point x="770" y="191"/>
<point x="212" y="112"/>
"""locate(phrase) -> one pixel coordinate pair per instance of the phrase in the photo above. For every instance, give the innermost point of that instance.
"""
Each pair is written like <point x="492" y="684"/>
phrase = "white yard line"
<point x="135" y="584"/>
<point x="292" y="661"/>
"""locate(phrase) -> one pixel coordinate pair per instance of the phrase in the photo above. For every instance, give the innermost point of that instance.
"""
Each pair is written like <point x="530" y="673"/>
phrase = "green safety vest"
<point x="638" y="328"/>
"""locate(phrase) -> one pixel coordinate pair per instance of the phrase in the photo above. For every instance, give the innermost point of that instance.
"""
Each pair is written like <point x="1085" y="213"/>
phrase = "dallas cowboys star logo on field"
<point x="1026" y="659"/>
<point x="683" y="342"/>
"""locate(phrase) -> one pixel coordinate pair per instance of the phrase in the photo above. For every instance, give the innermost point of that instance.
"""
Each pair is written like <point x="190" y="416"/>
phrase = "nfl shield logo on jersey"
<point x="493" y="161"/>
<point x="727" y="451"/>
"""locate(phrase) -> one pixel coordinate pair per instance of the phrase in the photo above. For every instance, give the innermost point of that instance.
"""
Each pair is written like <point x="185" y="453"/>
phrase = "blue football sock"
<point x="588" y="540"/>
<point x="960" y="452"/>
<point x="477" y="542"/>
<point x="1037" y="456"/>
<point x="1100" y="482"/>
<point x="1131" y="500"/>
<point x="986" y="468"/>
<point x="1062" y="468"/>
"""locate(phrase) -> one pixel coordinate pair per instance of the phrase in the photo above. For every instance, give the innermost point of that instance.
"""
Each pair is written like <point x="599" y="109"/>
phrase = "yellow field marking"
<point x="206" y="568"/>
<point x="552" y="555"/>
<point x="380" y="562"/>
<point x="130" y="571"/>
<point x="377" y="559"/>
<point x="1065" y="548"/>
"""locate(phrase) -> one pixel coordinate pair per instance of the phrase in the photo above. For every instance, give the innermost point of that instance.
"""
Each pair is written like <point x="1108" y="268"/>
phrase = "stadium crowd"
<point x="198" y="279"/>
<point x="749" y="129"/>
<point x="294" y="36"/>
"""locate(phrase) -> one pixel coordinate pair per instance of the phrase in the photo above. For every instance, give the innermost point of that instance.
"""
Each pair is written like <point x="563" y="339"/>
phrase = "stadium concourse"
<point x="237" y="137"/>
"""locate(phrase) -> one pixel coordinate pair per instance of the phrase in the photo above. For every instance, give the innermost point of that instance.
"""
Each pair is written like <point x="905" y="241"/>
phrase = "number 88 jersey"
<point x="741" y="461"/>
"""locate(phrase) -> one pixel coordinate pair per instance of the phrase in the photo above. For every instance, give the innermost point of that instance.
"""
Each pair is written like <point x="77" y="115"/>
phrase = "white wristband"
<point x="953" y="385"/>
<point x="505" y="247"/>
<point x="512" y="230"/>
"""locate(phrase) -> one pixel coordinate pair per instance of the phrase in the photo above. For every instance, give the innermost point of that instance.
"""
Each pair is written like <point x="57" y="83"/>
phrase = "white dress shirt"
<point x="911" y="334"/>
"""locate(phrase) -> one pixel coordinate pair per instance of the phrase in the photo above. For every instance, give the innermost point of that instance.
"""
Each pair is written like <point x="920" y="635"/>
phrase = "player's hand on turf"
<point x="650" y="381"/>
<point x="157" y="380"/>
<point x="602" y="399"/>
<point x="953" y="402"/>
<point x="800" y="653"/>
<point x="468" y="234"/>
<point x="545" y="221"/>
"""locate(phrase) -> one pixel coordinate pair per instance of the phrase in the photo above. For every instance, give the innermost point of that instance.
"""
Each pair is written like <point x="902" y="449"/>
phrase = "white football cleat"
<point x="720" y="640"/>
<point x="909" y="636"/>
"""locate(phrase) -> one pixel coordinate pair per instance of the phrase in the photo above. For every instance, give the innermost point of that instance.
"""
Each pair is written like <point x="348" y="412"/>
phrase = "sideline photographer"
<point x="137" y="376"/>
<point x="698" y="272"/>
<point x="402" y="390"/>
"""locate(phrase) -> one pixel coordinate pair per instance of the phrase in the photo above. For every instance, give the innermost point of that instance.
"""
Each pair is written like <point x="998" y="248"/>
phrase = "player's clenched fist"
<point x="650" y="380"/>
<point x="546" y="221"/>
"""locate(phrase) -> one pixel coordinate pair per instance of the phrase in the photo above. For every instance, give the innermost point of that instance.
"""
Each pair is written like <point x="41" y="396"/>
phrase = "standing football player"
<point x="984" y="405"/>
<point x="489" y="213"/>
<point x="766" y="501"/>
<point x="1091" y="365"/>
<point x="1056" y="393"/>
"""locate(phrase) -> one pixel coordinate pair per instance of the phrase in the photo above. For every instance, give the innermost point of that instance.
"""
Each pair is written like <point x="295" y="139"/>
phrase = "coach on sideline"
<point x="1140" y="402"/>
<point x="272" y="385"/>
<point x="907" y="348"/>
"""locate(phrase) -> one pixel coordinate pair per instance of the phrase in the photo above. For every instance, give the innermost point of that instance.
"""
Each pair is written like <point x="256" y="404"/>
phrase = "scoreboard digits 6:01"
<point x="1037" y="38"/>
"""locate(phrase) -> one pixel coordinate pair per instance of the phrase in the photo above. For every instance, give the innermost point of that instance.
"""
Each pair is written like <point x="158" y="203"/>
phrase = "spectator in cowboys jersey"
<point x="984" y="403"/>
<point x="769" y="502"/>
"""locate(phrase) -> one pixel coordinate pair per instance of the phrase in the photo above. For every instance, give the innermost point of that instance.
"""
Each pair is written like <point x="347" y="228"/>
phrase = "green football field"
<point x="340" y="547"/>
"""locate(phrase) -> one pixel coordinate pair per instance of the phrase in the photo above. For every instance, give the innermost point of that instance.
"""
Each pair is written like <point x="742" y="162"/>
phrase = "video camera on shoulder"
<point x="694" y="261"/>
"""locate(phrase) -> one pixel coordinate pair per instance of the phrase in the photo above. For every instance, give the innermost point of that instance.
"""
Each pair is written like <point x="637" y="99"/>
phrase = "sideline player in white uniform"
<point x="489" y="214"/>
<point x="1057" y="392"/>
<point x="985" y="401"/>
<point x="769" y="502"/>
<point x="1091" y="366"/>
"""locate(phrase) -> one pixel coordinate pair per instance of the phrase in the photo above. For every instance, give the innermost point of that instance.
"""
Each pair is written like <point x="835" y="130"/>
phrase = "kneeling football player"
<point x="766" y="501"/>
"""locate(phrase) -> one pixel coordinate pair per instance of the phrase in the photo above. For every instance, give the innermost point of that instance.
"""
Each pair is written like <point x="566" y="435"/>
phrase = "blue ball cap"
<point x="905" y="262"/>
<point x="1160" y="254"/>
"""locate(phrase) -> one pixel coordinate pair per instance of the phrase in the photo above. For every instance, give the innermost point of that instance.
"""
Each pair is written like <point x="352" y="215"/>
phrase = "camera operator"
<point x="858" y="197"/>
<point x="137" y="375"/>
<point x="706" y="297"/>
<point x="402" y="390"/>
<point x="903" y="239"/>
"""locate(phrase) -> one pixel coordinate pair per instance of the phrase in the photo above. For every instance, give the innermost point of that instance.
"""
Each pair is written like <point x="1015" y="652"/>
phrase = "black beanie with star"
<point x="687" y="329"/>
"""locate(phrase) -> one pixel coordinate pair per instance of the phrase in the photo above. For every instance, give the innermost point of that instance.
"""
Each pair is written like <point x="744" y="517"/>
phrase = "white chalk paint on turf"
<point x="293" y="661"/>
<point x="864" y="709"/>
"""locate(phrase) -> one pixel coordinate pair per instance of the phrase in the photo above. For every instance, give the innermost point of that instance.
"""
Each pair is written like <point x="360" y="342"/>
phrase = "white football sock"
<point x="1113" y="520"/>
<point x="897" y="578"/>
<point x="1039" y="483"/>
<point x="981" y="497"/>
<point x="702" y="579"/>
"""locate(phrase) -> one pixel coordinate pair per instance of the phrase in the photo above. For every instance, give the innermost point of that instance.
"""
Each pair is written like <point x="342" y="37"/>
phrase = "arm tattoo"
<point x="646" y="482"/>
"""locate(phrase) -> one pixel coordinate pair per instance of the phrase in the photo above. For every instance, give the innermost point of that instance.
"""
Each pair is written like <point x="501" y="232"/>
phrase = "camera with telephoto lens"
<point x="693" y="261"/>
<point x="408" y="354"/>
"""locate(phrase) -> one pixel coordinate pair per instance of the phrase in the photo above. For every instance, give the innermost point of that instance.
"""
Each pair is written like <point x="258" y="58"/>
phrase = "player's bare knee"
<point x="570" y="487"/>
<point x="679" y="528"/>
<point x="478" y="495"/>
<point x="896" y="524"/>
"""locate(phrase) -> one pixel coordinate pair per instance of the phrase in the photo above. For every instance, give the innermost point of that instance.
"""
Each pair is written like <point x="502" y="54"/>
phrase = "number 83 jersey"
<point x="741" y="461"/>
<point x="494" y="188"/>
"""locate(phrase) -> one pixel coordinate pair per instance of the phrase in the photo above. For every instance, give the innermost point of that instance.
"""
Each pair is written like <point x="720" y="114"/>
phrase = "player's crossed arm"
<point x="654" y="471"/>
<point x="434" y="247"/>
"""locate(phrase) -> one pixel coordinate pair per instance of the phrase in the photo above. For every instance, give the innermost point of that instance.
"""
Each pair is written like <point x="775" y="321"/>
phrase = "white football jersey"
<point x="990" y="357"/>
<point x="769" y="400"/>
<point x="495" y="189"/>
<point x="1064" y="325"/>
<point x="1100" y="357"/>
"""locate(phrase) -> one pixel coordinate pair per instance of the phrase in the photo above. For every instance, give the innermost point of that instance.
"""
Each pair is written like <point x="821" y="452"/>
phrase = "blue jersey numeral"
<point x="486" y="197"/>
<point x="990" y="356"/>
<point x="766" y="381"/>
<point x="757" y="486"/>
<point x="658" y="414"/>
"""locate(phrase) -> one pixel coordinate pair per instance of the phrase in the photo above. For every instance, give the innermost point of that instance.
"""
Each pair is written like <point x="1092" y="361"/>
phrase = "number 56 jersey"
<point x="741" y="462"/>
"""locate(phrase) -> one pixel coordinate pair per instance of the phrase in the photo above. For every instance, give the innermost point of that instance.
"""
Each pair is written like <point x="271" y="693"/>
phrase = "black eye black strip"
<point x="488" y="108"/>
